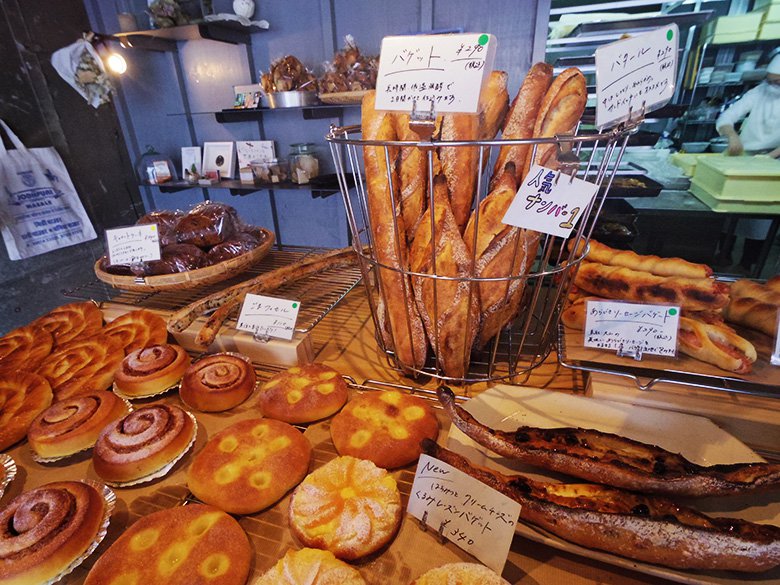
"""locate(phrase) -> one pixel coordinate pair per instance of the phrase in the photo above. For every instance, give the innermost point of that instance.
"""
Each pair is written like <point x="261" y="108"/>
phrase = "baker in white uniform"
<point x="759" y="134"/>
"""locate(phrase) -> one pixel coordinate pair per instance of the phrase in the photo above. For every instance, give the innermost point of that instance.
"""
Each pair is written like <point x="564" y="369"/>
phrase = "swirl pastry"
<point x="249" y="466"/>
<point x="137" y="330"/>
<point x="217" y="382"/>
<point x="384" y="427"/>
<point x="460" y="573"/>
<point x="23" y="396"/>
<point x="81" y="366"/>
<point x="149" y="371"/>
<point x="25" y="347"/>
<point x="71" y="321"/>
<point x="348" y="506"/>
<point x="73" y="424"/>
<point x="43" y="531"/>
<point x="303" y="394"/>
<point x="311" y="565"/>
<point x="142" y="443"/>
<point x="181" y="546"/>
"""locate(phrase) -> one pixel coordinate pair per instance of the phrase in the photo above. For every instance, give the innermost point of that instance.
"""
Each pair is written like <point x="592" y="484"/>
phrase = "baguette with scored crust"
<point x="389" y="239"/>
<point x="752" y="313"/>
<point x="749" y="289"/>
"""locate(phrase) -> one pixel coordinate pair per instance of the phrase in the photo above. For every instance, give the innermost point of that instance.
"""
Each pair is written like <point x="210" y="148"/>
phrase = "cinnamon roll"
<point x="71" y="321"/>
<point x="142" y="443"/>
<point x="24" y="347"/>
<point x="217" y="382"/>
<point x="22" y="397"/>
<point x="149" y="371"/>
<point x="137" y="330"/>
<point x="45" y="530"/>
<point x="72" y="425"/>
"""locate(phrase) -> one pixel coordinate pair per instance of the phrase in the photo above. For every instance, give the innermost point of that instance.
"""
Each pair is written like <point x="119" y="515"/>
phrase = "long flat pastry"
<point x="646" y="528"/>
<point x="613" y="460"/>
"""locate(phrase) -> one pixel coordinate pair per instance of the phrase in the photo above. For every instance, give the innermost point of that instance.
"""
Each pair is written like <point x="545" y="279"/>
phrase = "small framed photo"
<point x="251" y="150"/>
<point x="247" y="96"/>
<point x="191" y="161"/>
<point x="219" y="156"/>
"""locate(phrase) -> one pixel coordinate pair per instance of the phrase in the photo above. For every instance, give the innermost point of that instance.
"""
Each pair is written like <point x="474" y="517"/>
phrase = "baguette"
<point x="389" y="240"/>
<point x="613" y="460"/>
<point x="559" y="113"/>
<point x="603" y="254"/>
<point x="493" y="104"/>
<point x="753" y="313"/>
<point x="616" y="282"/>
<point x="774" y="283"/>
<point x="519" y="122"/>
<point x="449" y="308"/>
<point x="716" y="344"/>
<point x="645" y="528"/>
<point x="748" y="289"/>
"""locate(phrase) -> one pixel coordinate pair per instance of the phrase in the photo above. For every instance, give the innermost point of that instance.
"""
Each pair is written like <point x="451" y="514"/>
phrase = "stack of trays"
<point x="686" y="161"/>
<point x="738" y="184"/>
<point x="733" y="29"/>
<point x="770" y="11"/>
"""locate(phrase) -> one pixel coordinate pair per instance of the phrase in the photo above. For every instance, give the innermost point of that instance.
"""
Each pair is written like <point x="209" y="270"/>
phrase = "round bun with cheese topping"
<point x="460" y="574"/>
<point x="303" y="394"/>
<point x="384" y="427"/>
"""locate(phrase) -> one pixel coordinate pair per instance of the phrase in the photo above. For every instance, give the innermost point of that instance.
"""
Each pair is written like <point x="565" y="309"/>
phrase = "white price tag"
<point x="261" y="315"/>
<point x="634" y="73"/>
<point x="632" y="327"/>
<point x="549" y="202"/>
<point x="130" y="245"/>
<point x="469" y="513"/>
<point x="775" y="358"/>
<point x="446" y="70"/>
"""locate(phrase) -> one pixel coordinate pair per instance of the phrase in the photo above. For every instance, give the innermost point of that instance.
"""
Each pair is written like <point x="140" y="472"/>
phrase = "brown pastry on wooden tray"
<point x="218" y="382"/>
<point x="71" y="321"/>
<point x="137" y="330"/>
<point x="303" y="394"/>
<point x="150" y="371"/>
<point x="24" y="348"/>
<point x="754" y="305"/>
<point x="23" y="396"/>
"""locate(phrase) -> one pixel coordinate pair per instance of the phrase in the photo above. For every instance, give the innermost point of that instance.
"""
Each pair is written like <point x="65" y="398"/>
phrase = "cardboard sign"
<point x="550" y="202"/>
<point x="445" y="71"/>
<point x="269" y="316"/>
<point x="632" y="328"/>
<point x="134" y="244"/>
<point x="635" y="74"/>
<point x="476" y="517"/>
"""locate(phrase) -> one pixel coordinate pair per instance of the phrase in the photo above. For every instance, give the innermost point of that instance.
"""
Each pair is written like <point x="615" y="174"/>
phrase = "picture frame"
<point x="247" y="96"/>
<point x="254" y="150"/>
<point x="219" y="156"/>
<point x="191" y="156"/>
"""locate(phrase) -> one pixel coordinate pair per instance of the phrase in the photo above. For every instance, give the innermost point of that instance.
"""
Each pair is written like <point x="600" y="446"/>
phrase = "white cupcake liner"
<point x="38" y="459"/>
<point x="121" y="394"/>
<point x="166" y="468"/>
<point x="8" y="466"/>
<point x="110" y="498"/>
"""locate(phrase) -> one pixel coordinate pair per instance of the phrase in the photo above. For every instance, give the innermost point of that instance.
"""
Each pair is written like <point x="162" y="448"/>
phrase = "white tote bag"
<point x="39" y="207"/>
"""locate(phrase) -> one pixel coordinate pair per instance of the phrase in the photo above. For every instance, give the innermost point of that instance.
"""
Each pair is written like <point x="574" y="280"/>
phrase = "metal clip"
<point x="261" y="337"/>
<point x="440" y="531"/>
<point x="635" y="352"/>
<point x="423" y="123"/>
<point x="568" y="163"/>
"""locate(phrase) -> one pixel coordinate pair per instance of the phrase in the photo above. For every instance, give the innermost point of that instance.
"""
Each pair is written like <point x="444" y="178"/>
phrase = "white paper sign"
<point x="447" y="70"/>
<point x="632" y="327"/>
<point x="775" y="358"/>
<point x="469" y="513"/>
<point x="130" y="245"/>
<point x="634" y="73"/>
<point x="261" y="315"/>
<point x="550" y="202"/>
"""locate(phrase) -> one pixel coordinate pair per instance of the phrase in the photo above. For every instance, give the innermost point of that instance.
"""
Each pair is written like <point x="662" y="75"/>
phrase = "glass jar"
<point x="270" y="171"/>
<point x="155" y="168"/>
<point x="304" y="165"/>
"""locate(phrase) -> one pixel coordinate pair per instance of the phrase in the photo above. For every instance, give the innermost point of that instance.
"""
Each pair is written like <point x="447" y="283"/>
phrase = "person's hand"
<point x="735" y="146"/>
<point x="775" y="153"/>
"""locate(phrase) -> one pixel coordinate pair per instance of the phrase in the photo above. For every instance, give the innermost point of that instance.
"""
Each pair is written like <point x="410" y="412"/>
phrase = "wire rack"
<point x="318" y="294"/>
<point x="527" y="338"/>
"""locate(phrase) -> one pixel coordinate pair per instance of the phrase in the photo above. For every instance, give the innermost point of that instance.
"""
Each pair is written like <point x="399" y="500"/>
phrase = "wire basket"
<point x="476" y="325"/>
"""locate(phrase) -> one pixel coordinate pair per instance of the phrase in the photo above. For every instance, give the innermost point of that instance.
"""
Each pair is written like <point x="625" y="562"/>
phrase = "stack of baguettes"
<point x="459" y="237"/>
<point x="624" y="275"/>
<point x="755" y="305"/>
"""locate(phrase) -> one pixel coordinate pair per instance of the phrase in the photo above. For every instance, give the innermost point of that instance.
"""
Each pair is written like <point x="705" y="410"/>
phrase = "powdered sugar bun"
<point x="312" y="566"/>
<point x="460" y="574"/>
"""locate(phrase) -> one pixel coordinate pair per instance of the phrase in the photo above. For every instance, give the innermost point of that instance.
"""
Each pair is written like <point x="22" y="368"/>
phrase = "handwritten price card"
<point x="444" y="70"/>
<point x="617" y="325"/>
<point x="467" y="512"/>
<point x="636" y="72"/>
<point x="550" y="202"/>
<point x="269" y="316"/>
<point x="134" y="244"/>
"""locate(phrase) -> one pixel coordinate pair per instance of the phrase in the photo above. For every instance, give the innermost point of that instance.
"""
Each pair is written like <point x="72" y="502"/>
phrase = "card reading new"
<point x="632" y="327"/>
<point x="636" y="74"/>
<point x="466" y="511"/>
<point x="444" y="70"/>
<point x="549" y="202"/>
<point x="268" y="316"/>
<point x="134" y="244"/>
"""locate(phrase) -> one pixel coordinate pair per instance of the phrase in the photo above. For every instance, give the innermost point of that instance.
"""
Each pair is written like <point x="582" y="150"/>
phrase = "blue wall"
<point x="154" y="93"/>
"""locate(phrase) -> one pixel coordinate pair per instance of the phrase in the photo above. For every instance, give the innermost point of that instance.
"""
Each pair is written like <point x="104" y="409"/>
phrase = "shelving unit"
<point x="317" y="112"/>
<point x="319" y="188"/>
<point x="165" y="39"/>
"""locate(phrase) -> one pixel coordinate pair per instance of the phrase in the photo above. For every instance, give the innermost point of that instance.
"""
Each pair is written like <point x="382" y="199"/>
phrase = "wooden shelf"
<point x="165" y="39"/>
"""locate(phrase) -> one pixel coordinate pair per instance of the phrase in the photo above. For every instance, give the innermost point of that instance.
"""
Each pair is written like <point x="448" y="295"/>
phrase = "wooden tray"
<point x="191" y="278"/>
<point x="343" y="97"/>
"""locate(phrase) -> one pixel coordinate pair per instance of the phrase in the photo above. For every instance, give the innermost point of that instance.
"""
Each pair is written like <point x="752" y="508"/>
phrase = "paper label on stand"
<point x="636" y="73"/>
<point x="444" y="70"/>
<point x="134" y="244"/>
<point x="632" y="327"/>
<point x="268" y="316"/>
<point x="775" y="359"/>
<point x="466" y="511"/>
<point x="550" y="202"/>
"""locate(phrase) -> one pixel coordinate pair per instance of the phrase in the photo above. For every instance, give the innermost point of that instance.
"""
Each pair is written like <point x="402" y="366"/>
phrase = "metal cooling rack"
<point x="318" y="293"/>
